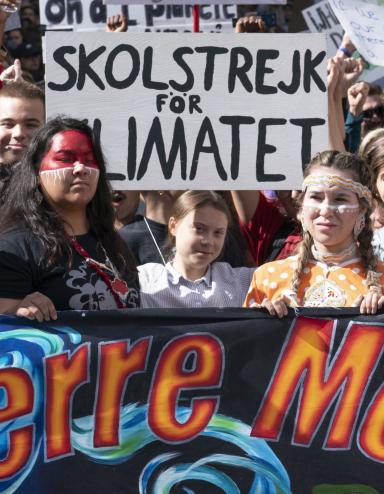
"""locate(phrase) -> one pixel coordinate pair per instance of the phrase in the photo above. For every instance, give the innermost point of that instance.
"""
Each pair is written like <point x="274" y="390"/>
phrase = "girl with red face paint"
<point x="58" y="246"/>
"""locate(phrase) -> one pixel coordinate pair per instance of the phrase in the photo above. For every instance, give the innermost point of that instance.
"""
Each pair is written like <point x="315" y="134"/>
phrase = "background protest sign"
<point x="187" y="111"/>
<point x="196" y="2"/>
<point x="189" y="400"/>
<point x="76" y="14"/>
<point x="364" y="23"/>
<point x="91" y="15"/>
<point x="320" y="18"/>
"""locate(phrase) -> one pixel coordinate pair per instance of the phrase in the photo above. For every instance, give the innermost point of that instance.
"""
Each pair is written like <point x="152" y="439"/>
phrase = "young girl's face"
<point x="199" y="236"/>
<point x="330" y="213"/>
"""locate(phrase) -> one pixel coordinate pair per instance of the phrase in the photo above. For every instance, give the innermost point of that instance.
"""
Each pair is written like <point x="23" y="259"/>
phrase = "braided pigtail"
<point x="303" y="255"/>
<point x="368" y="256"/>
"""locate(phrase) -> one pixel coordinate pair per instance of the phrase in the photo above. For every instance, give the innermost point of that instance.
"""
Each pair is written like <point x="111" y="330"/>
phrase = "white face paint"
<point x="60" y="175"/>
<point x="337" y="208"/>
<point x="329" y="212"/>
<point x="69" y="171"/>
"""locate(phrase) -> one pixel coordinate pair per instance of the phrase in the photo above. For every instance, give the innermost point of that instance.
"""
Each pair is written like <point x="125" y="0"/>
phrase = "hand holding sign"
<point x="250" y="24"/>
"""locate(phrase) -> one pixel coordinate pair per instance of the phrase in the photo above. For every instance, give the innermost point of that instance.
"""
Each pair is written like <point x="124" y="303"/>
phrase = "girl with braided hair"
<point x="335" y="265"/>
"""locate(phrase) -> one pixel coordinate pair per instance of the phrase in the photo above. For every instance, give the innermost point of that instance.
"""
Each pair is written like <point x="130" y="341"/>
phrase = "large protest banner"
<point x="196" y="401"/>
<point x="177" y="111"/>
<point x="91" y="15"/>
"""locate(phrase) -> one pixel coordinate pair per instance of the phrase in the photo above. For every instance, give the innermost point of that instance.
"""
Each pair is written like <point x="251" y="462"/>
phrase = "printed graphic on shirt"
<point x="92" y="292"/>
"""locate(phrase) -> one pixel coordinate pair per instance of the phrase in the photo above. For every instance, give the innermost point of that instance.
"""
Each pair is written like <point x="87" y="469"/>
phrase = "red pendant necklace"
<point x="118" y="287"/>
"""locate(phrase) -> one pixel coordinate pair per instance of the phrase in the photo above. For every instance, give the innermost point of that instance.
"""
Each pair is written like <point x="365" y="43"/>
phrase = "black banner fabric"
<point x="192" y="401"/>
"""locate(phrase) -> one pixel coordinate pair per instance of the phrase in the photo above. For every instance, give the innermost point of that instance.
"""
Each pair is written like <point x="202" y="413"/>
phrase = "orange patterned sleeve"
<point x="255" y="293"/>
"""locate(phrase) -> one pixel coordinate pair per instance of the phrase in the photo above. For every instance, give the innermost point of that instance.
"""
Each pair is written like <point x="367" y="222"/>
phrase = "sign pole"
<point x="196" y="18"/>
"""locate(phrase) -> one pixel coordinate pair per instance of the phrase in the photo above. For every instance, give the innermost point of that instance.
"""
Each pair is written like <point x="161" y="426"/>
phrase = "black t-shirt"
<point x="139" y="239"/>
<point x="22" y="271"/>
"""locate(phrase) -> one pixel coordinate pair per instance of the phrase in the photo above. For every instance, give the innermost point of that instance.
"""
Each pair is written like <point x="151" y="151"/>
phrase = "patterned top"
<point x="320" y="285"/>
<point x="221" y="286"/>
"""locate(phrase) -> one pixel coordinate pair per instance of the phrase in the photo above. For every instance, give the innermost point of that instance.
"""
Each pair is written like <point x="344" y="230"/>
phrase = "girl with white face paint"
<point x="58" y="246"/>
<point x="335" y="265"/>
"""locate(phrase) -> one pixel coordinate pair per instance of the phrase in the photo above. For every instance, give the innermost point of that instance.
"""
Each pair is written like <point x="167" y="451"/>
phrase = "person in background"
<point x="13" y="39"/>
<point x="22" y="113"/>
<point x="125" y="204"/>
<point x="193" y="277"/>
<point x="29" y="16"/>
<point x="30" y="57"/>
<point x="58" y="246"/>
<point x="373" y="110"/>
<point x="335" y="265"/>
<point x="372" y="150"/>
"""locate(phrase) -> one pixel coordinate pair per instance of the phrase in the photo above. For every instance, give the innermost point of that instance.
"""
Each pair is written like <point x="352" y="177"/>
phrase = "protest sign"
<point x="179" y="18"/>
<point x="159" y="401"/>
<point x="179" y="111"/>
<point x="77" y="14"/>
<point x="320" y="18"/>
<point x="91" y="15"/>
<point x="364" y="23"/>
<point x="196" y="2"/>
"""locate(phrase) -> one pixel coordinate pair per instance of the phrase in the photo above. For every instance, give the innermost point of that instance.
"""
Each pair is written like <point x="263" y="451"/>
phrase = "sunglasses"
<point x="374" y="112"/>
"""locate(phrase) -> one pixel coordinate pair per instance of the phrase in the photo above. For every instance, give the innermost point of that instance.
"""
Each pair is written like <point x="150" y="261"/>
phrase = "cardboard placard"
<point x="178" y="111"/>
<point x="364" y="23"/>
<point x="91" y="15"/>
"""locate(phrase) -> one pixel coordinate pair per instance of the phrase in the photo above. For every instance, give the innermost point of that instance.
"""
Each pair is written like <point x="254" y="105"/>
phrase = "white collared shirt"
<point x="221" y="286"/>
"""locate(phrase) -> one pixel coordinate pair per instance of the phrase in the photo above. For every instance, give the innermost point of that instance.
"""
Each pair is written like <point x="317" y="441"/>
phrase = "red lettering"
<point x="117" y="364"/>
<point x="304" y="365"/>
<point x="171" y="377"/>
<point x="20" y="395"/>
<point x="64" y="374"/>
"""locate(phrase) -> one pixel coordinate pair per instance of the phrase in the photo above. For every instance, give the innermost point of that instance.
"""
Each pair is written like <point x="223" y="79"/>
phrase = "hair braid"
<point x="304" y="253"/>
<point x="368" y="256"/>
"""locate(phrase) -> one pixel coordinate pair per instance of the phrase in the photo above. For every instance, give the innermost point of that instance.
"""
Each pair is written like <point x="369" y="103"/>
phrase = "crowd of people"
<point x="67" y="241"/>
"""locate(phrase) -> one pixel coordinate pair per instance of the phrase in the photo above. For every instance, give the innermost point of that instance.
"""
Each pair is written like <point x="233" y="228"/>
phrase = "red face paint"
<point x="69" y="148"/>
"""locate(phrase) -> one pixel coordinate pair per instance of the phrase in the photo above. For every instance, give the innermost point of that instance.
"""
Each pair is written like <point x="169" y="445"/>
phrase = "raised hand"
<point x="117" y="24"/>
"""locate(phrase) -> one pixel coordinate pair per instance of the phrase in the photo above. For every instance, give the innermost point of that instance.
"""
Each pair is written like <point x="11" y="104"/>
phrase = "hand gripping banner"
<point x="192" y="401"/>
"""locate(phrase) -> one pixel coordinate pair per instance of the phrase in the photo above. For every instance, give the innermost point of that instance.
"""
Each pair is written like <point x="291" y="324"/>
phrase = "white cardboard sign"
<point x="179" y="18"/>
<point x="320" y="18"/>
<point x="91" y="15"/>
<point x="177" y="111"/>
<point x="364" y="23"/>
<point x="196" y="2"/>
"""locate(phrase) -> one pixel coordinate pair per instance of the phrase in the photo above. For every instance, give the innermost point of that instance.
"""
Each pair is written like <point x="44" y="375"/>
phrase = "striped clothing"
<point x="221" y="286"/>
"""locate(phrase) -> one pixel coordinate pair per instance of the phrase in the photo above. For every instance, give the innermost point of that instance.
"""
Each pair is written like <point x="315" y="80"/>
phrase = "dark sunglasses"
<point x="374" y="112"/>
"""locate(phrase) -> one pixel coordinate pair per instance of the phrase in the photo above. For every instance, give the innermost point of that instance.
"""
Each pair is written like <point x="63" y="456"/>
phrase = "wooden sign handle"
<point x="196" y="18"/>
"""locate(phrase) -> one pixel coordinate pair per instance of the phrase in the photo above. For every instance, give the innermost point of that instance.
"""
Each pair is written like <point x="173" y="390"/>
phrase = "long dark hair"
<point x="26" y="206"/>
